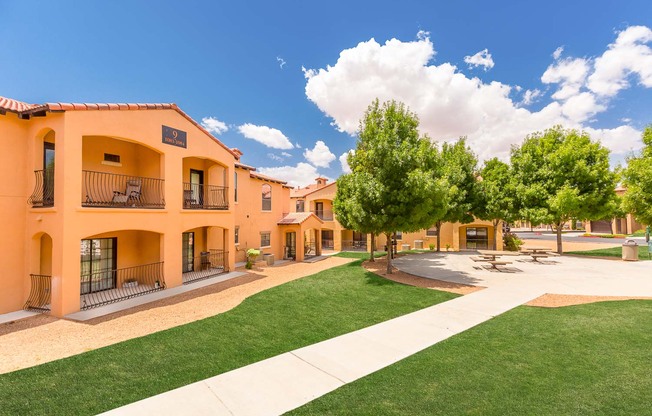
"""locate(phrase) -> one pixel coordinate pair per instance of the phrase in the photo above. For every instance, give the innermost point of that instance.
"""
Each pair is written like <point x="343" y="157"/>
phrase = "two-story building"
<point x="104" y="202"/>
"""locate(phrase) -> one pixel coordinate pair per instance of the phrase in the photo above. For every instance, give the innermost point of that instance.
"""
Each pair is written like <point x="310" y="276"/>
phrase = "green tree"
<point x="637" y="178"/>
<point x="394" y="182"/>
<point x="496" y="195"/>
<point x="561" y="174"/>
<point x="460" y="173"/>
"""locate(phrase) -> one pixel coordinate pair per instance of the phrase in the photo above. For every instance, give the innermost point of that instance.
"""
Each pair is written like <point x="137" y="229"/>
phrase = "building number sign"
<point x="174" y="137"/>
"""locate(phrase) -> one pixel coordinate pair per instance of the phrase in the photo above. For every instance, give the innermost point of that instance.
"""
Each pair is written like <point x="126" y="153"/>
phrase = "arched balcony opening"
<point x="204" y="184"/>
<point x="121" y="174"/>
<point x="40" y="293"/>
<point x="43" y="194"/>
<point x="120" y="265"/>
<point x="204" y="253"/>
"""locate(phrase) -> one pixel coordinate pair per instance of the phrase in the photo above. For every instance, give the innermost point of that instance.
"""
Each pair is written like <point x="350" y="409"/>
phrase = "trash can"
<point x="630" y="250"/>
<point x="418" y="244"/>
<point x="405" y="247"/>
<point x="269" y="259"/>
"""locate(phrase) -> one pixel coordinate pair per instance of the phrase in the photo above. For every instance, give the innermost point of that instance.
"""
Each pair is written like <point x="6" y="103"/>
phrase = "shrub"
<point x="431" y="247"/>
<point x="512" y="242"/>
<point x="252" y="254"/>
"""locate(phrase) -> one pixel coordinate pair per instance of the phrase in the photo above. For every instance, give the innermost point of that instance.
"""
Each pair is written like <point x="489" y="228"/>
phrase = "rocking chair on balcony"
<point x="132" y="193"/>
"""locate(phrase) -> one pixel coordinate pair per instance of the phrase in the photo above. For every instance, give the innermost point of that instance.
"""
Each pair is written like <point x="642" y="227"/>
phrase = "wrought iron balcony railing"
<point x="109" y="190"/>
<point x="40" y="293"/>
<point x="43" y="194"/>
<point x="198" y="196"/>
<point x="208" y="264"/>
<point x="354" y="245"/>
<point x="324" y="214"/>
<point x="109" y="286"/>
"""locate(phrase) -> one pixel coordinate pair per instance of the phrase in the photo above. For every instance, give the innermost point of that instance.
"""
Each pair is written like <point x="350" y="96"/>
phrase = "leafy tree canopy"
<point x="496" y="194"/>
<point x="637" y="177"/>
<point x="395" y="183"/>
<point x="561" y="174"/>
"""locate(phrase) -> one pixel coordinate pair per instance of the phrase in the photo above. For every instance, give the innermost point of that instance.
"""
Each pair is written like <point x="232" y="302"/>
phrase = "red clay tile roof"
<point x="15" y="106"/>
<point x="265" y="177"/>
<point x="243" y="166"/>
<point x="300" y="193"/>
<point x="297" y="218"/>
<point x="19" y="107"/>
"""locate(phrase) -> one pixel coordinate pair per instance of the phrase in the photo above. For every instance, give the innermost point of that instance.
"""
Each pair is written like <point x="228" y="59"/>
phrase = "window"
<point x="108" y="157"/>
<point x="98" y="264"/>
<point x="188" y="252"/>
<point x="301" y="205"/>
<point x="265" y="239"/>
<point x="431" y="232"/>
<point x="267" y="197"/>
<point x="237" y="235"/>
<point x="399" y="235"/>
<point x="235" y="185"/>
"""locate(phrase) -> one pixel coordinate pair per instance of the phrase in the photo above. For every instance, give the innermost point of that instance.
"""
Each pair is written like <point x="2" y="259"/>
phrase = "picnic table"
<point x="537" y="252"/>
<point x="490" y="256"/>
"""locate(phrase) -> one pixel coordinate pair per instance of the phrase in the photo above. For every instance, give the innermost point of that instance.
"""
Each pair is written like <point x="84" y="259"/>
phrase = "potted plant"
<point x="252" y="254"/>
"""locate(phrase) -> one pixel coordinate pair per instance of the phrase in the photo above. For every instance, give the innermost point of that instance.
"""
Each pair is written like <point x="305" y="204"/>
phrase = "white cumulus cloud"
<point x="482" y="58"/>
<point x="268" y="136"/>
<point x="344" y="162"/>
<point x="449" y="103"/>
<point x="300" y="175"/>
<point x="320" y="156"/>
<point x="557" y="53"/>
<point x="286" y="154"/>
<point x="569" y="73"/>
<point x="529" y="96"/>
<point x="629" y="55"/>
<point x="214" y="125"/>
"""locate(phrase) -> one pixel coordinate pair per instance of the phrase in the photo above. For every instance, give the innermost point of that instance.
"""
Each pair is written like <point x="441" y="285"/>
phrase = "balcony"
<point x="39" y="294"/>
<point x="208" y="264"/>
<point x="43" y="194"/>
<point x="108" y="190"/>
<point x="324" y="214"/>
<point x="199" y="196"/>
<point x="354" y="245"/>
<point x="110" y="286"/>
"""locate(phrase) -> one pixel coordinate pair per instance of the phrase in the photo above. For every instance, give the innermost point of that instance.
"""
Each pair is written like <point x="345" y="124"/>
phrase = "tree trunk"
<point x="373" y="247"/>
<point x="495" y="223"/>
<point x="438" y="236"/>
<point x="388" y="236"/>
<point x="559" y="228"/>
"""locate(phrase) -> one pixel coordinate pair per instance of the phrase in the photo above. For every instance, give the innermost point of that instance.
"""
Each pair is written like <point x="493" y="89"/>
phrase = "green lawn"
<point x="581" y="360"/>
<point x="278" y="320"/>
<point x="611" y="252"/>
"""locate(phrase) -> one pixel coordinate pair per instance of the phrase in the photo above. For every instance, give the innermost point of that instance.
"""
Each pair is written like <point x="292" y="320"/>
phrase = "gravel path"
<point x="41" y="339"/>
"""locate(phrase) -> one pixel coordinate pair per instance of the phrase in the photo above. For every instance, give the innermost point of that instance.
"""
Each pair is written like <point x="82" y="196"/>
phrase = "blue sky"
<point x="292" y="74"/>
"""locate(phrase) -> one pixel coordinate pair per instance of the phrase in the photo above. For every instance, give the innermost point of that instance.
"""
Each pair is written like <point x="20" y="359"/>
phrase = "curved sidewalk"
<point x="287" y="381"/>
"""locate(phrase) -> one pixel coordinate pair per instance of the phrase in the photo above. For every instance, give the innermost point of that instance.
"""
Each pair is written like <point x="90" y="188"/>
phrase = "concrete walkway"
<point x="287" y="381"/>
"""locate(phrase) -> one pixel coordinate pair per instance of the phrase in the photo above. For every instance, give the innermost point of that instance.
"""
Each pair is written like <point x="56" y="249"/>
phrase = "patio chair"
<point x="131" y="193"/>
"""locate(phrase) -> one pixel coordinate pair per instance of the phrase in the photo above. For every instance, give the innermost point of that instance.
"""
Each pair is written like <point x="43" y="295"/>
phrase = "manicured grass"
<point x="639" y="233"/>
<point x="281" y="319"/>
<point x="581" y="360"/>
<point x="611" y="252"/>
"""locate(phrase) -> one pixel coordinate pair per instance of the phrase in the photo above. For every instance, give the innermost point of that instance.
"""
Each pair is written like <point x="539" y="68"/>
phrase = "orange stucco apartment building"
<point x="318" y="199"/>
<point x="105" y="202"/>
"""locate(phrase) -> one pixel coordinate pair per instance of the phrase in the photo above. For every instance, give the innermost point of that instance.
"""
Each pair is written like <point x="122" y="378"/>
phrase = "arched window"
<point x="267" y="197"/>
